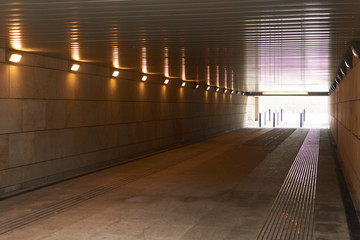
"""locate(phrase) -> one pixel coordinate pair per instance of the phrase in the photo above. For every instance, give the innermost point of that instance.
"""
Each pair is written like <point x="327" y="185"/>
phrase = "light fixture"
<point x="15" y="57"/>
<point x="115" y="73"/>
<point x="144" y="77"/>
<point x="75" y="67"/>
<point x="285" y="93"/>
<point x="232" y="92"/>
<point x="208" y="88"/>
<point x="166" y="81"/>
<point x="356" y="49"/>
<point x="217" y="89"/>
<point x="342" y="71"/>
<point x="243" y="93"/>
<point x="183" y="84"/>
<point x="197" y="85"/>
<point x="237" y="92"/>
<point x="225" y="91"/>
<point x="348" y="61"/>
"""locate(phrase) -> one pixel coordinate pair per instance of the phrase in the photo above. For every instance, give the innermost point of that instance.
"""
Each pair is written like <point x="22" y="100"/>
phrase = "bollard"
<point x="281" y="115"/>
<point x="269" y="115"/>
<point x="264" y="118"/>
<point x="273" y="119"/>
<point x="277" y="116"/>
<point x="259" y="119"/>
<point x="301" y="120"/>
<point x="304" y="116"/>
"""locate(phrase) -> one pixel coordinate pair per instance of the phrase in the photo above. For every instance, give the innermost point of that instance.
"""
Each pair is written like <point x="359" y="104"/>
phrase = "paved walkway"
<point x="221" y="188"/>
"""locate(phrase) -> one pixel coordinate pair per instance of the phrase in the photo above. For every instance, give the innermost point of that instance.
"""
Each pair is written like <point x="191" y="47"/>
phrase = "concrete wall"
<point x="55" y="123"/>
<point x="345" y="127"/>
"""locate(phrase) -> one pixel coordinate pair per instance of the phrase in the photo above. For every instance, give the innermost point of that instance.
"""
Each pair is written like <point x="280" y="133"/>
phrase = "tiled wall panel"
<point x="55" y="123"/>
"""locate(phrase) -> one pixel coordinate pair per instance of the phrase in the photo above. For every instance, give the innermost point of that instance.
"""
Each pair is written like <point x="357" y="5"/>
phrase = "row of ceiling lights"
<point x="16" y="58"/>
<point x="355" y="50"/>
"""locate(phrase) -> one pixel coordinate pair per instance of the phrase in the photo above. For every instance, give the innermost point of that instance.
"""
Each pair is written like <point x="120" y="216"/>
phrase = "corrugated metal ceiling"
<point x="253" y="45"/>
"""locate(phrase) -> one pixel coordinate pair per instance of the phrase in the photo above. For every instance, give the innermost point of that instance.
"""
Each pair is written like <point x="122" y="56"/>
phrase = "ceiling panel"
<point x="252" y="45"/>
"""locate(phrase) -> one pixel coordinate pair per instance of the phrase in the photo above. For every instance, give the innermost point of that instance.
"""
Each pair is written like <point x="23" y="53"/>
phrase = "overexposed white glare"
<point x="166" y="81"/>
<point x="183" y="84"/>
<point x="75" y="67"/>
<point x="115" y="73"/>
<point x="144" y="78"/>
<point x="15" y="58"/>
<point x="315" y="108"/>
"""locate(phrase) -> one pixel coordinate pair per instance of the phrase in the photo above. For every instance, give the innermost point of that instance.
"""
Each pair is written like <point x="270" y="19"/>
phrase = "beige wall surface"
<point x="345" y="127"/>
<point x="55" y="123"/>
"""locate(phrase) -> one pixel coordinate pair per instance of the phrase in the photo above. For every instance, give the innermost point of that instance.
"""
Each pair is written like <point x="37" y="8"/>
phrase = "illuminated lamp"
<point x="15" y="57"/>
<point x="115" y="73"/>
<point x="75" y="67"/>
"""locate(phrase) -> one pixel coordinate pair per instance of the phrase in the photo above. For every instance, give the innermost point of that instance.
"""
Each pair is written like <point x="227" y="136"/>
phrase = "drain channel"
<point x="292" y="214"/>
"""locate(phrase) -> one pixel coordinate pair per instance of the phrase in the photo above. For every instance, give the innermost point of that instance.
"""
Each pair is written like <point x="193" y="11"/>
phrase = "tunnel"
<point x="178" y="119"/>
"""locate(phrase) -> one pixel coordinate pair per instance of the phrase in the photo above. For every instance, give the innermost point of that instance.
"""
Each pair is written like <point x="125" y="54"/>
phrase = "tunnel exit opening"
<point x="291" y="112"/>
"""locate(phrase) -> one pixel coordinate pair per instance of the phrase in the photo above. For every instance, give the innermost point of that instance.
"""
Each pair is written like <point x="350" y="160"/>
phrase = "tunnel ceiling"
<point x="250" y="45"/>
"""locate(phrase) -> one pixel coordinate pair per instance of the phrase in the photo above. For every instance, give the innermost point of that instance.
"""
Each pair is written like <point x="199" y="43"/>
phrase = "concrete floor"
<point x="221" y="188"/>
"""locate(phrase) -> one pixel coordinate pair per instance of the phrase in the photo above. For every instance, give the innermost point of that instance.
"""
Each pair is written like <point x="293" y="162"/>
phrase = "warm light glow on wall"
<point x="232" y="78"/>
<point x="208" y="75"/>
<point x="15" y="58"/>
<point x="183" y="74"/>
<point x="225" y="77"/>
<point x="143" y="60"/>
<point x="217" y="76"/>
<point x="75" y="67"/>
<point x="74" y="41"/>
<point x="15" y="36"/>
<point x="115" y="57"/>
<point x="166" y="61"/>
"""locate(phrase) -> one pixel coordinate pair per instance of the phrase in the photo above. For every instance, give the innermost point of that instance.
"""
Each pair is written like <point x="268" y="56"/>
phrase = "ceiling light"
<point x="237" y="92"/>
<point x="342" y="71"/>
<point x="217" y="89"/>
<point x="166" y="81"/>
<point x="243" y="93"/>
<point x="285" y="93"/>
<point x="183" y="84"/>
<point x="232" y="92"/>
<point x="144" y="77"/>
<point x="197" y="85"/>
<point x="15" y="57"/>
<point x="225" y="91"/>
<point x="208" y="88"/>
<point x="75" y="67"/>
<point x="356" y="49"/>
<point x="115" y="73"/>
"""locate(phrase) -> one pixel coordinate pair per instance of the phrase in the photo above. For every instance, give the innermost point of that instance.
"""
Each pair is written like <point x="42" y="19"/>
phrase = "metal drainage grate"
<point x="292" y="214"/>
